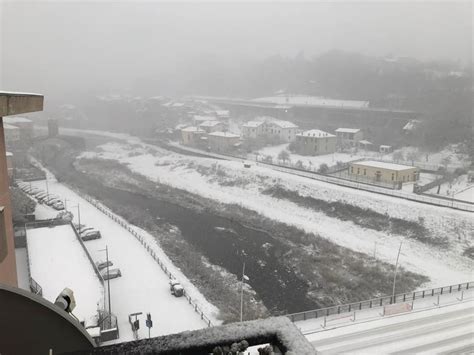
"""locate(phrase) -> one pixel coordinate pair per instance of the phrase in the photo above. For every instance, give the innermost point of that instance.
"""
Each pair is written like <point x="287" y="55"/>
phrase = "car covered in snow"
<point x="103" y="264"/>
<point x="176" y="289"/>
<point x="111" y="274"/>
<point x="90" y="234"/>
<point x="58" y="206"/>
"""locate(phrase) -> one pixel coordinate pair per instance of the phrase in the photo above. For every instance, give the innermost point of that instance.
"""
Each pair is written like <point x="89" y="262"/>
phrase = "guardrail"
<point x="378" y="302"/>
<point x="150" y="250"/>
<point x="341" y="182"/>
<point x="89" y="257"/>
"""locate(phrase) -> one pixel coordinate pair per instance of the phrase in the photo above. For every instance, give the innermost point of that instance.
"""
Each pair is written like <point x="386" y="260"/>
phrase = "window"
<point x="393" y="176"/>
<point x="352" y="170"/>
<point x="358" y="171"/>
<point x="365" y="171"/>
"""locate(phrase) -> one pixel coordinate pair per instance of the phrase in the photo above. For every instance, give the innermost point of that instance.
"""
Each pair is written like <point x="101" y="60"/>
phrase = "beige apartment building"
<point x="10" y="104"/>
<point x="192" y="136"/>
<point x="384" y="172"/>
<point x="223" y="141"/>
<point x="315" y="142"/>
<point x="348" y="137"/>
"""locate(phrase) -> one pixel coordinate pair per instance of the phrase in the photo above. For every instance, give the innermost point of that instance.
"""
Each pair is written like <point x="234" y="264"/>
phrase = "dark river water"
<point x="223" y="241"/>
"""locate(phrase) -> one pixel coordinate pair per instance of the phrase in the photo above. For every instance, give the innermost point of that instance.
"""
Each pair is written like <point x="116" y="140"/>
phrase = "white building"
<point x="348" y="137"/>
<point x="252" y="129"/>
<point x="197" y="119"/>
<point x="211" y="126"/>
<point x="285" y="131"/>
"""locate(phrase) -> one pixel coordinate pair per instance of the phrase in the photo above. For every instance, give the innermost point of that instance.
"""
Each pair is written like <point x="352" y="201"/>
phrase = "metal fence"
<point x="151" y="251"/>
<point x="378" y="302"/>
<point x="341" y="182"/>
<point x="35" y="287"/>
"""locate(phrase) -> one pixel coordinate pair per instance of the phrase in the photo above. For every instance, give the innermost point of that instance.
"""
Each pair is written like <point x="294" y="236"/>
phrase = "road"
<point x="448" y="329"/>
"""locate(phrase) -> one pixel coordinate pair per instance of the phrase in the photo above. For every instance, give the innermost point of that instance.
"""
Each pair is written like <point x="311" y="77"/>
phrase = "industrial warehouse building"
<point x="315" y="142"/>
<point x="384" y="172"/>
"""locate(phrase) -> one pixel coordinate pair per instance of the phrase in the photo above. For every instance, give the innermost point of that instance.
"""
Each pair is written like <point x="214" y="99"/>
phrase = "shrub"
<point x="323" y="168"/>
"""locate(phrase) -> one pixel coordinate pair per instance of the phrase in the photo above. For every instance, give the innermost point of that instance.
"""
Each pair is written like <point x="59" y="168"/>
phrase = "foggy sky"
<point x="52" y="47"/>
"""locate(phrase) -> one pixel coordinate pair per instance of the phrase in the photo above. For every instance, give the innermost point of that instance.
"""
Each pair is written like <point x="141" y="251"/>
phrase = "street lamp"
<point x="108" y="276"/>
<point x="78" y="211"/>
<point x="244" y="278"/>
<point x="395" y="273"/>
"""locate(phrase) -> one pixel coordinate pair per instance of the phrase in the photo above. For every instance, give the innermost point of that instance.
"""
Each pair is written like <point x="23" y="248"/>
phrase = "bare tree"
<point x="413" y="156"/>
<point x="398" y="155"/>
<point x="284" y="156"/>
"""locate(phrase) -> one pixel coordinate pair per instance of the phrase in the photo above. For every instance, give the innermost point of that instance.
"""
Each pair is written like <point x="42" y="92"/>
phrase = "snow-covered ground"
<point x="314" y="162"/>
<point x="57" y="260"/>
<point x="442" y="265"/>
<point x="459" y="189"/>
<point x="143" y="286"/>
<point x="433" y="160"/>
<point x="434" y="331"/>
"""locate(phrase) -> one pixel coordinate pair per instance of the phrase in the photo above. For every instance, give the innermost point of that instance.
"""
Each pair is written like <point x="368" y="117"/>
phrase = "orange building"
<point x="10" y="104"/>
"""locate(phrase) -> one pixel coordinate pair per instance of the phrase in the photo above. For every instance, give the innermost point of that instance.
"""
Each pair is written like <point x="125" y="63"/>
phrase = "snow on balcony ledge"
<point x="279" y="331"/>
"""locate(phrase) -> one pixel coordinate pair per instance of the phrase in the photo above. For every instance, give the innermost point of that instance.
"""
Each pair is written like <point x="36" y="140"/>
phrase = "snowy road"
<point x="434" y="331"/>
<point x="143" y="286"/>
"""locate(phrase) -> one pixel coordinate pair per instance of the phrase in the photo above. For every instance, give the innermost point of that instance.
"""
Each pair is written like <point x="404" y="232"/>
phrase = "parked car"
<point x="176" y="289"/>
<point x="52" y="200"/>
<point x="103" y="264"/>
<point x="90" y="235"/>
<point x="112" y="274"/>
<point x="83" y="229"/>
<point x="58" y="206"/>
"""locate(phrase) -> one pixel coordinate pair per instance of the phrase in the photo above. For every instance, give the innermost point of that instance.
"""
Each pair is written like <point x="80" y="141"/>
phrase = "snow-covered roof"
<point x="384" y="165"/>
<point x="209" y="123"/>
<point x="177" y="104"/>
<point x="181" y="126"/>
<point x="9" y="154"/>
<point x="204" y="118"/>
<point x="13" y="120"/>
<point x="411" y="125"/>
<point x="222" y="113"/>
<point x="385" y="146"/>
<point x="224" y="134"/>
<point x="348" y="130"/>
<point x="284" y="124"/>
<point x="363" y="141"/>
<point x="313" y="101"/>
<point x="315" y="133"/>
<point x="9" y="126"/>
<point x="192" y="129"/>
<point x="252" y="124"/>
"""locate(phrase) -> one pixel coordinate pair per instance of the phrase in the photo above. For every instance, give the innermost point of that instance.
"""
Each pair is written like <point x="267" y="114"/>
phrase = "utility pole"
<point x="242" y="292"/>
<point x="79" y="215"/>
<point x="108" y="277"/>
<point x="395" y="273"/>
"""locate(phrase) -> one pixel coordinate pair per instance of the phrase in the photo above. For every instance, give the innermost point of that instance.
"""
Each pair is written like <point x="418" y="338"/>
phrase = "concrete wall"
<point x="385" y="175"/>
<point x="7" y="246"/>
